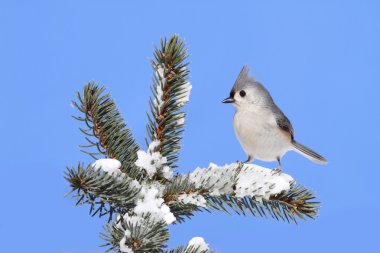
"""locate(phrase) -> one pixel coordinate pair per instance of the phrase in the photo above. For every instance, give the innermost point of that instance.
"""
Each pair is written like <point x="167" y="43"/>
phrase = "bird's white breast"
<point x="259" y="135"/>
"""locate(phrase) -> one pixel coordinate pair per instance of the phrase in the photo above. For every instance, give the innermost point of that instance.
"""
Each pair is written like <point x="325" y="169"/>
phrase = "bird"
<point x="263" y="130"/>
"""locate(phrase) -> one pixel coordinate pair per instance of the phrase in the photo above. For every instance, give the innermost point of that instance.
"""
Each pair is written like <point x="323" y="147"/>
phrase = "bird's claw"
<point x="240" y="164"/>
<point x="277" y="171"/>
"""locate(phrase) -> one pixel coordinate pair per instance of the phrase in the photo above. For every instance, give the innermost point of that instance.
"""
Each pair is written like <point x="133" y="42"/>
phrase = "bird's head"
<point x="247" y="92"/>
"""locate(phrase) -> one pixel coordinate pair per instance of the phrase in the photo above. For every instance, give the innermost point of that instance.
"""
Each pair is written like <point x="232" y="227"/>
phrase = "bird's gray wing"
<point x="283" y="122"/>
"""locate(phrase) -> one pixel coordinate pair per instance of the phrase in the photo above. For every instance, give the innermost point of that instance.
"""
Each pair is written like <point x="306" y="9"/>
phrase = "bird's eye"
<point x="242" y="93"/>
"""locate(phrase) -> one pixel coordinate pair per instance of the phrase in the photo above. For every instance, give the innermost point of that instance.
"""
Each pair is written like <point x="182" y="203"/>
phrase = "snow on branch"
<point x="171" y="91"/>
<point x="153" y="162"/>
<point x="149" y="200"/>
<point x="195" y="245"/>
<point x="104" y="188"/>
<point x="199" y="244"/>
<point x="248" y="188"/>
<point x="241" y="180"/>
<point x="111" y="166"/>
<point x="131" y="233"/>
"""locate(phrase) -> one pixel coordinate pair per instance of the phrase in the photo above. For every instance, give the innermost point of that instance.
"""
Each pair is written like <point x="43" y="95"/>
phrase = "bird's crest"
<point x="245" y="78"/>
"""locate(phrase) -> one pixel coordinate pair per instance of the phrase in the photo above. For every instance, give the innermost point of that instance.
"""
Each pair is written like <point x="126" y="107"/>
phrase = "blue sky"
<point x="319" y="60"/>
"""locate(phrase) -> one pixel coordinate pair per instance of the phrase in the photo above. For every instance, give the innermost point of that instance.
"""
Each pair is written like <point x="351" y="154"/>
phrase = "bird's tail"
<point x="308" y="153"/>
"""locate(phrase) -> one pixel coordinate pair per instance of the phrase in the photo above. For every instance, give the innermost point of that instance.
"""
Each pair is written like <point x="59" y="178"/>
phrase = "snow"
<point x="158" y="102"/>
<point x="182" y="98"/>
<point x="135" y="184"/>
<point x="167" y="173"/>
<point x="111" y="166"/>
<point x="181" y="121"/>
<point x="261" y="183"/>
<point x="150" y="201"/>
<point x="185" y="96"/>
<point x="152" y="161"/>
<point x="252" y="181"/>
<point x="193" y="198"/>
<point x="198" y="242"/>
<point x="147" y="162"/>
<point x="160" y="187"/>
<point x="123" y="247"/>
<point x="127" y="233"/>
<point x="160" y="73"/>
<point x="181" y="118"/>
<point x="153" y="146"/>
<point x="132" y="220"/>
<point x="217" y="179"/>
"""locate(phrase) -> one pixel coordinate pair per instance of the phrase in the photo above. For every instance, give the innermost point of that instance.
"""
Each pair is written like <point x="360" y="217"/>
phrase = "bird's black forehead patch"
<point x="232" y="93"/>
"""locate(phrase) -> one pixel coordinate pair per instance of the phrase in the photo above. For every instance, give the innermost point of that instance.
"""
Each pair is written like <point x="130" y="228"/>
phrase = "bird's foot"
<point x="277" y="171"/>
<point x="240" y="164"/>
<point x="248" y="159"/>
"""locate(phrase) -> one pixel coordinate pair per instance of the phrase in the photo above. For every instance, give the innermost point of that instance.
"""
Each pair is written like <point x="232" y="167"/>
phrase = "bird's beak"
<point x="228" y="100"/>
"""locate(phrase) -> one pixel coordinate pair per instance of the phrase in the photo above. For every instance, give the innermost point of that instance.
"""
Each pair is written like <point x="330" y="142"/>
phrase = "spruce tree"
<point x="141" y="191"/>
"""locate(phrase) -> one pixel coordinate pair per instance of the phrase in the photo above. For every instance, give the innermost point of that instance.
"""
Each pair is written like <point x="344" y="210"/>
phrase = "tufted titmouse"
<point x="262" y="129"/>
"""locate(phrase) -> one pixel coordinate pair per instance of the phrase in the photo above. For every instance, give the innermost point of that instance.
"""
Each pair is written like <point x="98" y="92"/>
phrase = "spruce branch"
<point x="137" y="188"/>
<point x="142" y="235"/>
<point x="191" y="249"/>
<point x="180" y="186"/>
<point x="223" y="189"/>
<point x="287" y="205"/>
<point x="106" y="130"/>
<point x="298" y="202"/>
<point x="195" y="245"/>
<point x="170" y="93"/>
<point x="105" y="193"/>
